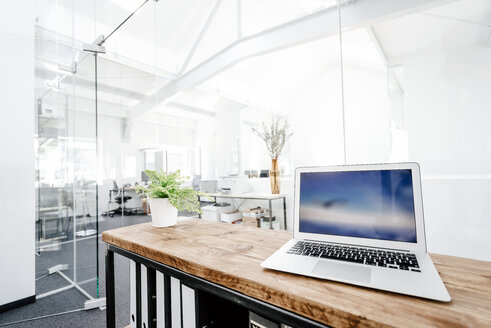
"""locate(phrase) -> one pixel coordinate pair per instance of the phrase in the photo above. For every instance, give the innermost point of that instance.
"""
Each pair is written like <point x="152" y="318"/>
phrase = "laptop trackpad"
<point x="342" y="271"/>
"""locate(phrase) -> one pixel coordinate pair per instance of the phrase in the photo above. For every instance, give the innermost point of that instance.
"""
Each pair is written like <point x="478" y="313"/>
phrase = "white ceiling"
<point x="267" y="81"/>
<point x="444" y="28"/>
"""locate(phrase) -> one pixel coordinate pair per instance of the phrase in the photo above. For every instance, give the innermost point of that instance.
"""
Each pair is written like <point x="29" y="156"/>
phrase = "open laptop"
<point x="362" y="225"/>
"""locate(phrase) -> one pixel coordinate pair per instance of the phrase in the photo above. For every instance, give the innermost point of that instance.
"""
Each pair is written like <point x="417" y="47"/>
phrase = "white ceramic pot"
<point x="163" y="213"/>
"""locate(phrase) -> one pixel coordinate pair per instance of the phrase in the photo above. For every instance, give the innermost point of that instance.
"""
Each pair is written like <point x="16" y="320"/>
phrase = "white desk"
<point x="268" y="197"/>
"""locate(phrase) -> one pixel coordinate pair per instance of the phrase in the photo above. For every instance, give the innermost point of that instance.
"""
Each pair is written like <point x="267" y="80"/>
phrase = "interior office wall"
<point x="121" y="158"/>
<point x="254" y="155"/>
<point x="160" y="129"/>
<point x="227" y="140"/>
<point x="439" y="119"/>
<point x="116" y="149"/>
<point x="144" y="133"/>
<point x="229" y="145"/>
<point x="174" y="135"/>
<point x="110" y="133"/>
<point x="205" y="141"/>
<point x="448" y="101"/>
<point x="367" y="115"/>
<point x="447" y="114"/>
<point x="316" y="120"/>
<point x="17" y="215"/>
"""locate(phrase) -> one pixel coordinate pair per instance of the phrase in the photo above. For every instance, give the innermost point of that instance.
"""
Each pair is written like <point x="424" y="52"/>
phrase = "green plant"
<point x="169" y="185"/>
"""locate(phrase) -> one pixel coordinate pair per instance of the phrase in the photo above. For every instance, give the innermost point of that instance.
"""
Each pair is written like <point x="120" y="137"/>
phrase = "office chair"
<point x="120" y="199"/>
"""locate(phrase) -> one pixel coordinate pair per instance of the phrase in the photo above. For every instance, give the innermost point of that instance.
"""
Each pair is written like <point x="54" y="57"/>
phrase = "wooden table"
<point x="268" y="197"/>
<point x="228" y="257"/>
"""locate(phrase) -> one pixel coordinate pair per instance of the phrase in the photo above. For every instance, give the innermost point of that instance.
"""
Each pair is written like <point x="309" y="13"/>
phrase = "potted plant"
<point x="275" y="137"/>
<point x="167" y="196"/>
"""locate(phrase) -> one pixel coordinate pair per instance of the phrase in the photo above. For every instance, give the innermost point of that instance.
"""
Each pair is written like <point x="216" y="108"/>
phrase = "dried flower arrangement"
<point x="274" y="136"/>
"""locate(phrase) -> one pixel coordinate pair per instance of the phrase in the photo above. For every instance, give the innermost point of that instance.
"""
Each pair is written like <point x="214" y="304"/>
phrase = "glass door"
<point x="66" y="179"/>
<point x="85" y="177"/>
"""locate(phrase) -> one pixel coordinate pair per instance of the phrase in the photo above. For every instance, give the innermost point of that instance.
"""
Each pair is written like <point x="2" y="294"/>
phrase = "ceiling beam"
<point x="200" y="36"/>
<point x="191" y="109"/>
<point x="355" y="14"/>
<point x="89" y="83"/>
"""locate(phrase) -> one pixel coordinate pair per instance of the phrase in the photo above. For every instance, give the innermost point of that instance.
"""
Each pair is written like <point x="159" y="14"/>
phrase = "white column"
<point x="17" y="216"/>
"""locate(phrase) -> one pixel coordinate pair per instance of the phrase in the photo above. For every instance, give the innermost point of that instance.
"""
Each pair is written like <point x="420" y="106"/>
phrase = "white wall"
<point x="17" y="216"/>
<point x="227" y="139"/>
<point x="315" y="115"/>
<point x="115" y="152"/>
<point x="447" y="108"/>
<point x="205" y="140"/>
<point x="368" y="134"/>
<point x="316" y="118"/>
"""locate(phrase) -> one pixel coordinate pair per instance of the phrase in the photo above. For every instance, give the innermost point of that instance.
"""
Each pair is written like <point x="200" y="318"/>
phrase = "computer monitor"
<point x="144" y="176"/>
<point x="195" y="182"/>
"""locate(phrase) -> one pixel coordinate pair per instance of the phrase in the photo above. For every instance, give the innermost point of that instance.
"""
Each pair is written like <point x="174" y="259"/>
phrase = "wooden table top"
<point x="230" y="255"/>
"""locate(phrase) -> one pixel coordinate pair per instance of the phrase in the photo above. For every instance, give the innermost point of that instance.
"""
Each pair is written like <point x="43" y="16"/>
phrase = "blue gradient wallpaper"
<point x="366" y="204"/>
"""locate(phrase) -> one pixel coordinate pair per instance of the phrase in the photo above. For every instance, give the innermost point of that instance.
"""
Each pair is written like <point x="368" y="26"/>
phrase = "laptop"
<point x="362" y="225"/>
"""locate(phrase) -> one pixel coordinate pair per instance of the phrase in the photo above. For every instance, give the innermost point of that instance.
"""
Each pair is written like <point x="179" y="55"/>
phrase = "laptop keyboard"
<point x="368" y="256"/>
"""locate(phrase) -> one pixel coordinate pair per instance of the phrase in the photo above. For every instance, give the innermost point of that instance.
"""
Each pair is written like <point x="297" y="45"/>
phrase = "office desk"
<point x="268" y="197"/>
<point x="51" y="213"/>
<point x="224" y="260"/>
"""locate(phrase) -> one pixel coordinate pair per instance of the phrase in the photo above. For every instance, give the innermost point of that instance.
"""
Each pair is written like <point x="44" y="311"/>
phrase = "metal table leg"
<point x="123" y="206"/>
<point x="270" y="215"/>
<point x="199" y="202"/>
<point x="110" y="299"/>
<point x="284" y="211"/>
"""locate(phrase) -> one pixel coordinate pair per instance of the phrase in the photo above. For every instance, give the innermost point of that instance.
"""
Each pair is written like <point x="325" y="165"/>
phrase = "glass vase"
<point x="274" y="176"/>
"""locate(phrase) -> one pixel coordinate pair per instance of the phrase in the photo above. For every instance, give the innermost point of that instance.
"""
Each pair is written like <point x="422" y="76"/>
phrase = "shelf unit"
<point x="213" y="306"/>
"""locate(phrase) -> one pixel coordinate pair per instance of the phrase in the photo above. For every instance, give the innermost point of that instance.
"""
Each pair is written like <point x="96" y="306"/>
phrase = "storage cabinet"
<point x="164" y="297"/>
<point x="160" y="300"/>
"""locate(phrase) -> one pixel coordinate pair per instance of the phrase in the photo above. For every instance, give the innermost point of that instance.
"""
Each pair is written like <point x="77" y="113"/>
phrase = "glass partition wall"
<point x="76" y="114"/>
<point x="66" y="178"/>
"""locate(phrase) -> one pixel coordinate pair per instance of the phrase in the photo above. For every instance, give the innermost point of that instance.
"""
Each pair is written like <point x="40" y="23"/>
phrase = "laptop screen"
<point x="376" y="204"/>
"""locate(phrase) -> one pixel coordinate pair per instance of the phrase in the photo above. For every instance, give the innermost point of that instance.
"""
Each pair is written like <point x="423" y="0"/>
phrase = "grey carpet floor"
<point x="70" y="301"/>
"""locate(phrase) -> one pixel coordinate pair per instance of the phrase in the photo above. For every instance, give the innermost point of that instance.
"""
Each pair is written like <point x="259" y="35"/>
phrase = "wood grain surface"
<point x="230" y="255"/>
